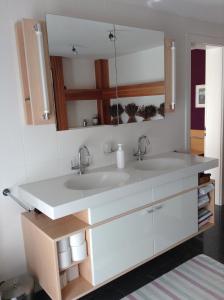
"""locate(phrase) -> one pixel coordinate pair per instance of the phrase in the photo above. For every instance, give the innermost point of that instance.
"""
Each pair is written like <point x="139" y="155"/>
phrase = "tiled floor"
<point x="211" y="243"/>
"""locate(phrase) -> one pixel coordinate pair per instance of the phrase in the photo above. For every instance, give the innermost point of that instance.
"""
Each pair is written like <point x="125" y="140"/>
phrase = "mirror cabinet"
<point x="95" y="73"/>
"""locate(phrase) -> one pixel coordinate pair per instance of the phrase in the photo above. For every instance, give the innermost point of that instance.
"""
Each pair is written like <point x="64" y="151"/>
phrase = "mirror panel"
<point x="87" y="58"/>
<point x="140" y="73"/>
<point x="105" y="73"/>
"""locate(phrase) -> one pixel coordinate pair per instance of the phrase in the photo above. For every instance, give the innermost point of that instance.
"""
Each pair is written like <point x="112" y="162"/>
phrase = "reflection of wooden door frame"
<point x="203" y="40"/>
<point x="102" y="93"/>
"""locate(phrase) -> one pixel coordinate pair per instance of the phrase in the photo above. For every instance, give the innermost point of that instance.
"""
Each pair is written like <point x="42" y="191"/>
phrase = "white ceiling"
<point x="205" y="10"/>
<point x="91" y="40"/>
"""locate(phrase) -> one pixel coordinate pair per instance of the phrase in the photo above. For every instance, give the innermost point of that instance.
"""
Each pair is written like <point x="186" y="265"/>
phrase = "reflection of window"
<point x="200" y="96"/>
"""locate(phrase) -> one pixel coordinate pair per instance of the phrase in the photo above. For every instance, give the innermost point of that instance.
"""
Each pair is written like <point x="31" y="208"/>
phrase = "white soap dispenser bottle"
<point x="120" y="157"/>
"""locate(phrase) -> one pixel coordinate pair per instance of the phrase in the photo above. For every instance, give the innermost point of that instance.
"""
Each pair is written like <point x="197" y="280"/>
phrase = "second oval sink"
<point x="160" y="164"/>
<point x="97" y="180"/>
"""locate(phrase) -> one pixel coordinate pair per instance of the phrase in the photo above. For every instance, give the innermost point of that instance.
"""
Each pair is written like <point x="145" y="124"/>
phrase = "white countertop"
<point x="55" y="200"/>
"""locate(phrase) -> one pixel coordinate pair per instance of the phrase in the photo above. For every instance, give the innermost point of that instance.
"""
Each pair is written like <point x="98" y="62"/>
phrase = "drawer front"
<point x="175" y="220"/>
<point x="121" y="244"/>
<point x="115" y="208"/>
<point x="174" y="187"/>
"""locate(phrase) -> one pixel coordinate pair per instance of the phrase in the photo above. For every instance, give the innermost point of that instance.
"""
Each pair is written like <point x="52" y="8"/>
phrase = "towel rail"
<point x="6" y="192"/>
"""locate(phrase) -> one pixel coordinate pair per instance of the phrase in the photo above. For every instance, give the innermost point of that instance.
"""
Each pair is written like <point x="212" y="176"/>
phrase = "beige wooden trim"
<point x="83" y="216"/>
<point x="56" y="229"/>
<point x="33" y="71"/>
<point x="42" y="260"/>
<point x="76" y="288"/>
<point x="23" y="73"/>
<point x="85" y="269"/>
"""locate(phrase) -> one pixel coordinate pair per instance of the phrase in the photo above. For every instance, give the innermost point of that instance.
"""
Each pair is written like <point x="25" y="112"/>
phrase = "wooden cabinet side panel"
<point x="23" y="73"/>
<point x="85" y="268"/>
<point x="33" y="72"/>
<point x="41" y="255"/>
<point x="168" y="74"/>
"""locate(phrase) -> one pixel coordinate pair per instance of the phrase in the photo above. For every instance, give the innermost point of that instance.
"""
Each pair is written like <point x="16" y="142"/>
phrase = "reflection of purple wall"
<point x="197" y="77"/>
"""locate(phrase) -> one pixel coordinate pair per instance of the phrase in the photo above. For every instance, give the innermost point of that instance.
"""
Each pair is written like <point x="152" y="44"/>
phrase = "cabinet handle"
<point x="159" y="207"/>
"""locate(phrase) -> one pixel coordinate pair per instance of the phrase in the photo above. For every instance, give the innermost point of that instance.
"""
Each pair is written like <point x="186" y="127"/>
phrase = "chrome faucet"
<point x="83" y="160"/>
<point x="140" y="153"/>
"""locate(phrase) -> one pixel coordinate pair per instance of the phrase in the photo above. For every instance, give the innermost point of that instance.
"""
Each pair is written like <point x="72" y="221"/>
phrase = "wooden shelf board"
<point x="205" y="227"/>
<point x="76" y="288"/>
<point x="56" y="229"/>
<point x="74" y="263"/>
<point x="136" y="90"/>
<point x="132" y="90"/>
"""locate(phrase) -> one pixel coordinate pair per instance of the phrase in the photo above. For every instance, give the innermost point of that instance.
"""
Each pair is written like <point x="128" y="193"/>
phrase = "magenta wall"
<point x="197" y="77"/>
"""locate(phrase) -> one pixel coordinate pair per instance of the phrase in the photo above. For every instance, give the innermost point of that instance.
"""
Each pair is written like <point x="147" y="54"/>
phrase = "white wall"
<point x="139" y="67"/>
<point x="213" y="108"/>
<point x="31" y="153"/>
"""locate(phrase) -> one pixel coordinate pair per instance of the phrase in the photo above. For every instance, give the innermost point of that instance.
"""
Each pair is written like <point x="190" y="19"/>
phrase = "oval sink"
<point x="96" y="180"/>
<point x="160" y="164"/>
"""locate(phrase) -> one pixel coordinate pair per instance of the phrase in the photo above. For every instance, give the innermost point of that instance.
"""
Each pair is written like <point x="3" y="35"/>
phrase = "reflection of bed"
<point x="197" y="141"/>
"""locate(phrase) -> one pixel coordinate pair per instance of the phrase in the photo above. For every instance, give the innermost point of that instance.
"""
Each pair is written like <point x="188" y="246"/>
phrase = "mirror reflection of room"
<point x="109" y="74"/>
<point x="84" y="51"/>
<point x="140" y="73"/>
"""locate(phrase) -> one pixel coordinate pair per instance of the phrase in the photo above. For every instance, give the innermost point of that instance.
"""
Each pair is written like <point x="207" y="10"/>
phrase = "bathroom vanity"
<point x="129" y="217"/>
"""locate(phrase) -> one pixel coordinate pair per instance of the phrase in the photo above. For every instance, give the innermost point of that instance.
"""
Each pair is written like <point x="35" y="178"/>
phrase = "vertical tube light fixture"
<point x="173" y="53"/>
<point x="43" y="72"/>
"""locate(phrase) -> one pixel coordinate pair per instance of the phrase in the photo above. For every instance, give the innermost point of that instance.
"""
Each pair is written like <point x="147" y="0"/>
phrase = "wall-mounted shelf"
<point x="103" y="92"/>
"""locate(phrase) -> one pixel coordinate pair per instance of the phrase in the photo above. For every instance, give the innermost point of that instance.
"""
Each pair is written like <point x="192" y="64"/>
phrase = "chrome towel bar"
<point x="6" y="192"/>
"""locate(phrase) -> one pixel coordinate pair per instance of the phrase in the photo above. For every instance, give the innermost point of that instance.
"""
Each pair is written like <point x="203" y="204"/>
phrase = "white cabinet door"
<point x="121" y="244"/>
<point x="175" y="219"/>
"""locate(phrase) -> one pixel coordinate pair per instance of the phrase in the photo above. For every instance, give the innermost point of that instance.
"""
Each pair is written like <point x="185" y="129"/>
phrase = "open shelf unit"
<point x="210" y="206"/>
<point x="40" y="233"/>
<point x="76" y="288"/>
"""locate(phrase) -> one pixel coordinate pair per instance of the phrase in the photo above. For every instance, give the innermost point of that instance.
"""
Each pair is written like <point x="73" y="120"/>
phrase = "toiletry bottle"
<point x="120" y="157"/>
